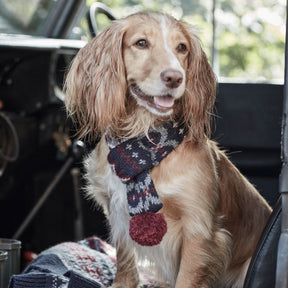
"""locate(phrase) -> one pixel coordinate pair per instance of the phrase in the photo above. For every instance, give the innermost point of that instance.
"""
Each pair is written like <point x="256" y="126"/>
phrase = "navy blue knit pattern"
<point x="133" y="159"/>
<point x="90" y="263"/>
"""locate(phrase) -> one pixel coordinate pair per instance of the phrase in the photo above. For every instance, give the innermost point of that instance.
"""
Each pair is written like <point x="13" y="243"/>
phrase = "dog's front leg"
<point x="190" y="273"/>
<point x="127" y="273"/>
<point x="203" y="261"/>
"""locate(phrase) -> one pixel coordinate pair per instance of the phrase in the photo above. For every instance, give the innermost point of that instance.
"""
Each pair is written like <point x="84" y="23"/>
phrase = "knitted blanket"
<point x="90" y="263"/>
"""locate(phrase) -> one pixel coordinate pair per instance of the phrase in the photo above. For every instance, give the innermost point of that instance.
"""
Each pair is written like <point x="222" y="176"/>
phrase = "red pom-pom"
<point x="148" y="229"/>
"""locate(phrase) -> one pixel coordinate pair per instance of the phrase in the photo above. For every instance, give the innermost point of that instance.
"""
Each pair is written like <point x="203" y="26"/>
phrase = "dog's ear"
<point x="201" y="87"/>
<point x="96" y="84"/>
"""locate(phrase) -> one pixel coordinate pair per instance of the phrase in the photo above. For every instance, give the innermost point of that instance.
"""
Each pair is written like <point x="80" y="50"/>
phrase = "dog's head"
<point x="142" y="69"/>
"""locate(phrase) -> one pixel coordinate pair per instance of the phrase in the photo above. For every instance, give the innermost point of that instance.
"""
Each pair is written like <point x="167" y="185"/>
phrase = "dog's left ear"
<point x="201" y="87"/>
<point x="96" y="84"/>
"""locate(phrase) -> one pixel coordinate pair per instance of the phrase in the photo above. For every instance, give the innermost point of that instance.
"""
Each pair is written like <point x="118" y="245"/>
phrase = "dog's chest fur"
<point x="172" y="184"/>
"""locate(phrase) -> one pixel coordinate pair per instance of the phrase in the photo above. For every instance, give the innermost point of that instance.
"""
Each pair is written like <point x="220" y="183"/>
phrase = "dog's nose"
<point x="171" y="78"/>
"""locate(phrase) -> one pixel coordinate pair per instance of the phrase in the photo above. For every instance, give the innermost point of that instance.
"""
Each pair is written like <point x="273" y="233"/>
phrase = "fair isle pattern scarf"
<point x="132" y="161"/>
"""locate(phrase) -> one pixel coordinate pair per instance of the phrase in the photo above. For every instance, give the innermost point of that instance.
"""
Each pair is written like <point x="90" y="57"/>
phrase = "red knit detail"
<point x="148" y="229"/>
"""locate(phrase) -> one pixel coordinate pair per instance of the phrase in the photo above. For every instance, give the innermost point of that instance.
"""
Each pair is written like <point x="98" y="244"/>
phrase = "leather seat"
<point x="262" y="269"/>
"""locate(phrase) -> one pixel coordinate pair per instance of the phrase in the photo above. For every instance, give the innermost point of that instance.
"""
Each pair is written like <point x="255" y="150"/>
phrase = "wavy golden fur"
<point x="141" y="71"/>
<point x="102" y="59"/>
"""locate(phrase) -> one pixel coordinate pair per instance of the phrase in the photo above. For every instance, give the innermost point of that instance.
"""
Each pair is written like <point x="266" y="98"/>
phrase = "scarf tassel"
<point x="148" y="229"/>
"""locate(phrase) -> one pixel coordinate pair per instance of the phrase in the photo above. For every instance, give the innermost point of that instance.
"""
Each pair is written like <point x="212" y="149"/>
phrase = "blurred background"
<point x="244" y="41"/>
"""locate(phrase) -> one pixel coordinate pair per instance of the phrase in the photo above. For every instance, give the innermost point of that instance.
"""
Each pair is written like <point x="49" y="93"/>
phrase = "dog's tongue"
<point x="164" y="101"/>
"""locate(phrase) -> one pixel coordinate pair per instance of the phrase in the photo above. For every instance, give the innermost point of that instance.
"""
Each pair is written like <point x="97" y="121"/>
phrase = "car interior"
<point x="41" y="185"/>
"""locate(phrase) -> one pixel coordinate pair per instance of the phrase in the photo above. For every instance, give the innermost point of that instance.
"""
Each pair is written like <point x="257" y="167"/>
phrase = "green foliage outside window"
<point x="249" y="35"/>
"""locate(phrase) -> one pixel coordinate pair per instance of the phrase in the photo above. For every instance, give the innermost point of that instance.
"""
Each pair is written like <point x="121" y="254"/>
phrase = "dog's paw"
<point x="124" y="285"/>
<point x="116" y="285"/>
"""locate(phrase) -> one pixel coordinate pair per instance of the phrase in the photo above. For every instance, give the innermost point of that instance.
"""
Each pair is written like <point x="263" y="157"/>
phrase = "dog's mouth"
<point x="162" y="103"/>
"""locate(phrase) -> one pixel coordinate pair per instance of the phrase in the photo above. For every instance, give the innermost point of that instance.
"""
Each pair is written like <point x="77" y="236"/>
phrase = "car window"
<point x="244" y="40"/>
<point x="24" y="17"/>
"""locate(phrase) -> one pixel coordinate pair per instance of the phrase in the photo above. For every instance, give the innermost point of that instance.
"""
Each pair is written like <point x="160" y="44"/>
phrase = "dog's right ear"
<point x="95" y="86"/>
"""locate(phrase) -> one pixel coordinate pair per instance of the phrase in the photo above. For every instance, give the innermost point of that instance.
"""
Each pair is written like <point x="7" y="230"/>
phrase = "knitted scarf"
<point x="132" y="161"/>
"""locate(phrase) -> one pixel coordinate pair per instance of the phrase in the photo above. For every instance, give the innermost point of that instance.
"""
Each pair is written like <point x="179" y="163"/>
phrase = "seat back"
<point x="248" y="126"/>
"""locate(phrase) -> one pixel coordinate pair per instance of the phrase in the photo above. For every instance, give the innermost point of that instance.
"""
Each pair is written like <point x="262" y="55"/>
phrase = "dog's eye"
<point x="181" y="48"/>
<point x="142" y="43"/>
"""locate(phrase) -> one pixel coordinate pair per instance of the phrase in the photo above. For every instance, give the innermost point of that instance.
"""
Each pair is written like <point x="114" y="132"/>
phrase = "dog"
<point x="139" y="73"/>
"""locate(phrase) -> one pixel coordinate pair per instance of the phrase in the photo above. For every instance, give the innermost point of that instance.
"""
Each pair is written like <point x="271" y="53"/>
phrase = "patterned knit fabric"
<point x="134" y="158"/>
<point x="132" y="161"/>
<point x="90" y="263"/>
